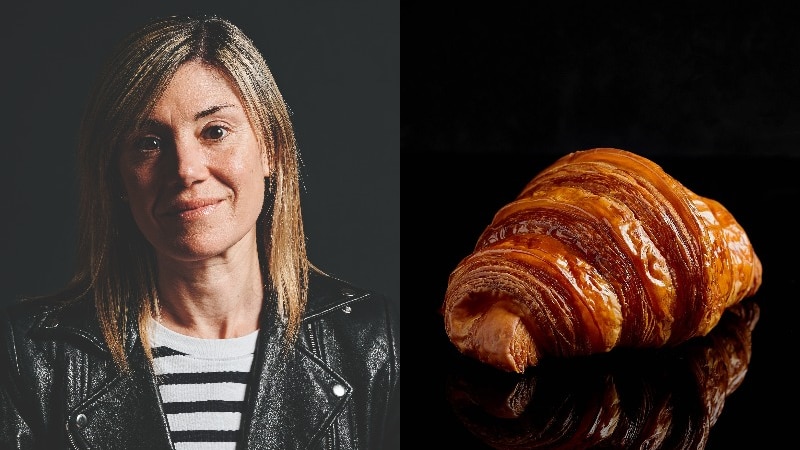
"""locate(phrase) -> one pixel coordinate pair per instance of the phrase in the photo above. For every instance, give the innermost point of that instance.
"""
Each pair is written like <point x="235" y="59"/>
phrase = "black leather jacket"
<point x="60" y="388"/>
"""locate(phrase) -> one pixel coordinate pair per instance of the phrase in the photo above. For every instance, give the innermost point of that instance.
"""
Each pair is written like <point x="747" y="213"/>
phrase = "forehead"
<point x="196" y="85"/>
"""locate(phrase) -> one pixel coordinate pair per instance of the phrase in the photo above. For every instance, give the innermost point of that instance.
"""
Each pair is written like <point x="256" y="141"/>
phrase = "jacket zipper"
<point x="331" y="435"/>
<point x="314" y="345"/>
<point x="71" y="439"/>
<point x="312" y="340"/>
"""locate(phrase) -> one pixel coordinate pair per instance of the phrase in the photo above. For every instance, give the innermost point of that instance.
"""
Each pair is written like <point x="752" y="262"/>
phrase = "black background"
<point x="336" y="63"/>
<point x="658" y="78"/>
<point x="491" y="95"/>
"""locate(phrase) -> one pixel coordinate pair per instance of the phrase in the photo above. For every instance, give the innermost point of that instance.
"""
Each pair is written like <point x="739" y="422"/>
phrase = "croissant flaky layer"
<point x="601" y="249"/>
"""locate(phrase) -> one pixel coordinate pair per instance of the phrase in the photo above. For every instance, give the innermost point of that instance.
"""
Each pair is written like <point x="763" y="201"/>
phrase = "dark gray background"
<point x="336" y="63"/>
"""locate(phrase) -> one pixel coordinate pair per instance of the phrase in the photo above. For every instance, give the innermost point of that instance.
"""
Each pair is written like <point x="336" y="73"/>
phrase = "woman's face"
<point x="194" y="176"/>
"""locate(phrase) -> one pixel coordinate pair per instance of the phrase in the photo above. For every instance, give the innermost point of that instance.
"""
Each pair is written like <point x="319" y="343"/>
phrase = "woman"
<point x="194" y="315"/>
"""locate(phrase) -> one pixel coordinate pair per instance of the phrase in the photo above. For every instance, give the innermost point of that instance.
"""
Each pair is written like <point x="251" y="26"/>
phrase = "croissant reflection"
<point x="654" y="398"/>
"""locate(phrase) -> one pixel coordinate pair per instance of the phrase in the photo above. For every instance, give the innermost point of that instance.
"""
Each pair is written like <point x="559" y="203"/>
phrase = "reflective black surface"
<point x="669" y="398"/>
<point x="468" y="405"/>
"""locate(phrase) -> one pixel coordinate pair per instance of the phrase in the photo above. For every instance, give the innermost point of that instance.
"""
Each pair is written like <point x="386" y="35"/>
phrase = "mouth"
<point x="192" y="208"/>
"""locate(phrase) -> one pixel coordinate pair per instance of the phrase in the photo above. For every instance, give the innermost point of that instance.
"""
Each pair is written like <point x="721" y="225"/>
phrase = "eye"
<point x="147" y="144"/>
<point x="215" y="132"/>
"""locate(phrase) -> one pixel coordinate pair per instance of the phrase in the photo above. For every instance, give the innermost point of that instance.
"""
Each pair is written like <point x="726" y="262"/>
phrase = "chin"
<point x="195" y="250"/>
<point x="199" y="246"/>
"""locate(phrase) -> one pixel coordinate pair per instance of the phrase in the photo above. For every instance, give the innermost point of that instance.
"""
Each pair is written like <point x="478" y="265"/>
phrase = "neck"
<point x="213" y="301"/>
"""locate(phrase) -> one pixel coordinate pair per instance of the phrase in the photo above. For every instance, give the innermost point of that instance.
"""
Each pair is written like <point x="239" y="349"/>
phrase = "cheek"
<point x="137" y="181"/>
<point x="133" y="185"/>
<point x="249" y="181"/>
<point x="245" y="162"/>
<point x="249" y="188"/>
<point x="247" y="169"/>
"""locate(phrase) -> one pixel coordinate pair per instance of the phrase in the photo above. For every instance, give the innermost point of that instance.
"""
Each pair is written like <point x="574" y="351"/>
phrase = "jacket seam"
<point x="89" y="401"/>
<point x="391" y="340"/>
<point x="12" y="350"/>
<point x="336" y="306"/>
<point x="341" y="405"/>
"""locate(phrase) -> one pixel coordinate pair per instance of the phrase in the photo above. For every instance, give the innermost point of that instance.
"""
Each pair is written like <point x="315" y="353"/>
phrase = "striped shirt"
<point x="202" y="384"/>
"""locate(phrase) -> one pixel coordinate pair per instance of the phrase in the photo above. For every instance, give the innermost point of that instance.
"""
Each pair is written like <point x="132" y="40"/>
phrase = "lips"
<point x="191" y="207"/>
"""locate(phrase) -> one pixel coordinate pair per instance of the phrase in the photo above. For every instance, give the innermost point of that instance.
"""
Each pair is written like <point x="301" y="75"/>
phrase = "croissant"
<point x="601" y="249"/>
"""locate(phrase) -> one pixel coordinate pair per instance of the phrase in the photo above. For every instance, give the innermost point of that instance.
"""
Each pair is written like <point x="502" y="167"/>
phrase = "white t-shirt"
<point x="202" y="383"/>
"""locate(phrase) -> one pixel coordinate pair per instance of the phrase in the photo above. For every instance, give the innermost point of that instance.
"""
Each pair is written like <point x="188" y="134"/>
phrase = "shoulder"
<point x="23" y="317"/>
<point x="348" y="315"/>
<point x="30" y="328"/>
<point x="55" y="313"/>
<point x="329" y="295"/>
<point x="25" y="357"/>
<point x="356" y="330"/>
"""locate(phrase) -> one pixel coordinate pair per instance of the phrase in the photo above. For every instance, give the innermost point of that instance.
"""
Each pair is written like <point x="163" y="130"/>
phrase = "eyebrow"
<point x="158" y="125"/>
<point x="212" y="110"/>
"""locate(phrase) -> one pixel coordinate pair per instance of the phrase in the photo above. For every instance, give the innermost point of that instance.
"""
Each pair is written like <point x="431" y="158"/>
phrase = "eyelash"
<point x="152" y="143"/>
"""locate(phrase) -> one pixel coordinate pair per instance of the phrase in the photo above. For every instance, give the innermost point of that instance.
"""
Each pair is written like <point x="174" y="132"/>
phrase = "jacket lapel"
<point x="126" y="410"/>
<point x="106" y="407"/>
<point x="294" y="397"/>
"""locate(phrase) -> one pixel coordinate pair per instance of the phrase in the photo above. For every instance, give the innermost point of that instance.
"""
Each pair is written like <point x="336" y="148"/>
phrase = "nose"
<point x="190" y="161"/>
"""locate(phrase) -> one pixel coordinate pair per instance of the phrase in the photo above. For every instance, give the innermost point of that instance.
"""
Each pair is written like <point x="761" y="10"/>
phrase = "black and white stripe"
<point x="202" y="384"/>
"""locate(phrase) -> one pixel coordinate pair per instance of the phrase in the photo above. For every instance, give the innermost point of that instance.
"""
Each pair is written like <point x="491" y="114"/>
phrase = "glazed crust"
<point x="601" y="249"/>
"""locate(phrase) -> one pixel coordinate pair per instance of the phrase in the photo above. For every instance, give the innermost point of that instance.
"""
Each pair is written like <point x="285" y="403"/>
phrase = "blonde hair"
<point x="115" y="264"/>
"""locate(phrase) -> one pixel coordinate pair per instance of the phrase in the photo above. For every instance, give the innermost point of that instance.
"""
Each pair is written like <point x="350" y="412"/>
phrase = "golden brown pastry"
<point x="602" y="249"/>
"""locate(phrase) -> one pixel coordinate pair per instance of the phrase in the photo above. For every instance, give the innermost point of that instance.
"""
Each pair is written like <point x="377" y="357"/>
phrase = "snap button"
<point x="338" y="390"/>
<point x="346" y="309"/>
<point x="81" y="420"/>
